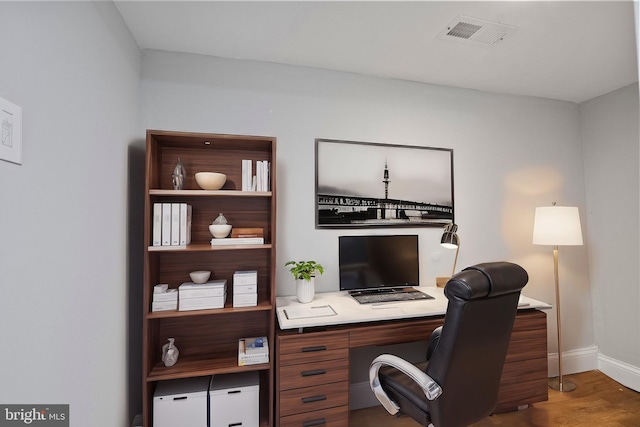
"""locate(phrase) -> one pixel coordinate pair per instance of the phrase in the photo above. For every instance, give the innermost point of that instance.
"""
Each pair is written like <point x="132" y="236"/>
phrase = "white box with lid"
<point x="249" y="277"/>
<point x="212" y="288"/>
<point x="234" y="400"/>
<point x="181" y="402"/>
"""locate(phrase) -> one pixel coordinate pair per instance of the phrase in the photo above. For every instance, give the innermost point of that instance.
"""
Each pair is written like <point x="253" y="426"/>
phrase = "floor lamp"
<point x="557" y="226"/>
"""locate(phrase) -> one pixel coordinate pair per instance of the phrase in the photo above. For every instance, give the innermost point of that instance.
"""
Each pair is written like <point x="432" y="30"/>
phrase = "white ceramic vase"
<point x="305" y="290"/>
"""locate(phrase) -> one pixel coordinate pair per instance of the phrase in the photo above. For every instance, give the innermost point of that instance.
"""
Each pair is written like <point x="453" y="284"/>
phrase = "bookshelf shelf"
<point x="262" y="306"/>
<point x="204" y="247"/>
<point x="209" y="193"/>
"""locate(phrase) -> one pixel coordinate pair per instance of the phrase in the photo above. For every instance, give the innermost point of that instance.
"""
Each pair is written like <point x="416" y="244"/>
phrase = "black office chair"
<point x="465" y="357"/>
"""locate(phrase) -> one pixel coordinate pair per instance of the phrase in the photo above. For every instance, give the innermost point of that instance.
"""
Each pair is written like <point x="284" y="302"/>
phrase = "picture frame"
<point x="11" y="131"/>
<point x="366" y="184"/>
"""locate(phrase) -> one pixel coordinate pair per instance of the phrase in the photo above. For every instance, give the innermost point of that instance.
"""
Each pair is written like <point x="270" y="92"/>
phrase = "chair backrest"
<point x="470" y="354"/>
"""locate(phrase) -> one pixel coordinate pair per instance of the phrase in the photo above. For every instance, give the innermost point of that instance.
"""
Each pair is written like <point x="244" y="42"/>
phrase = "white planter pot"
<point x="305" y="290"/>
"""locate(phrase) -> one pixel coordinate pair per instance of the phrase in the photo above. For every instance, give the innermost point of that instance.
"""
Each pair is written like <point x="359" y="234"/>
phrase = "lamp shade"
<point x="450" y="239"/>
<point x="557" y="226"/>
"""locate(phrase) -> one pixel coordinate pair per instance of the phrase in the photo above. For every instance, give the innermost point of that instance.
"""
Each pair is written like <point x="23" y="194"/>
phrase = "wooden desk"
<point x="312" y="355"/>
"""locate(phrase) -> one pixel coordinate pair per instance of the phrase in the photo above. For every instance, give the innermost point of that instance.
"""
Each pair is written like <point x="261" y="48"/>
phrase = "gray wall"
<point x="609" y="126"/>
<point x="75" y="71"/>
<point x="511" y="154"/>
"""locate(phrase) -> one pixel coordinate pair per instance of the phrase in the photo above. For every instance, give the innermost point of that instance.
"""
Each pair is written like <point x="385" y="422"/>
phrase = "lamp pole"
<point x="557" y="383"/>
<point x="455" y="260"/>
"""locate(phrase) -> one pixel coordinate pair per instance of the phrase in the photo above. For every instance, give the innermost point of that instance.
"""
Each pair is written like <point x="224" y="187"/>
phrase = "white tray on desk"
<point x="348" y="310"/>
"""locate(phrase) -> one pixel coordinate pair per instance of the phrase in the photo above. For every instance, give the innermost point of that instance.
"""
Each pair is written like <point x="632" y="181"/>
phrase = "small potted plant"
<point x="304" y="273"/>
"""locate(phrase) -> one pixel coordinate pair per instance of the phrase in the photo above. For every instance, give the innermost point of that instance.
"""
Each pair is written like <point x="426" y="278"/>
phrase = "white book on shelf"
<point x="267" y="173"/>
<point x="185" y="224"/>
<point x="157" y="225"/>
<point x="166" y="224"/>
<point x="256" y="177"/>
<point x="175" y="224"/>
<point x="261" y="174"/>
<point x="237" y="241"/>
<point x="189" y="222"/>
<point x="244" y="175"/>
<point x="247" y="175"/>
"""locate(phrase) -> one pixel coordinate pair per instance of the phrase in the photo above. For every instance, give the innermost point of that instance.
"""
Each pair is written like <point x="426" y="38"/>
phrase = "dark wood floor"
<point x="597" y="401"/>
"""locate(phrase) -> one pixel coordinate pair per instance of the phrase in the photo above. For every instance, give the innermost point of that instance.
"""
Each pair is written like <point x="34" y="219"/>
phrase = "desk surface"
<point x="348" y="310"/>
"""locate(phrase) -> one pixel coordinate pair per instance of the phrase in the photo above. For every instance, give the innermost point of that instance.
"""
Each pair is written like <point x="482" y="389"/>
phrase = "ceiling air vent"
<point x="475" y="31"/>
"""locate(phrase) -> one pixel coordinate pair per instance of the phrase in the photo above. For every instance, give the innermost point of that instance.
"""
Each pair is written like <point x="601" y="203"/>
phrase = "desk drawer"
<point x="332" y="417"/>
<point x="311" y="374"/>
<point x="310" y="399"/>
<point x="312" y="357"/>
<point x="297" y="343"/>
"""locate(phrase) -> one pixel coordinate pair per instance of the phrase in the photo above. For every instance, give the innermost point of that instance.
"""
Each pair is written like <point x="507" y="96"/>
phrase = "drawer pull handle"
<point x="316" y="348"/>
<point x="313" y="372"/>
<point x="314" y="398"/>
<point x="234" y="391"/>
<point x="235" y="424"/>
<point x="318" y="422"/>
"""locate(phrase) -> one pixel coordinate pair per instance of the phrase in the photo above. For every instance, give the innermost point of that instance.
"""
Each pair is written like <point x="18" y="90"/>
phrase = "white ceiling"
<point x="566" y="50"/>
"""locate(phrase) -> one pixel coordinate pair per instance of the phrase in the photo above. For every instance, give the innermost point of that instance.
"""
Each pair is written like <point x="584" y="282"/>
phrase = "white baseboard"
<point x="625" y="374"/>
<point x="574" y="361"/>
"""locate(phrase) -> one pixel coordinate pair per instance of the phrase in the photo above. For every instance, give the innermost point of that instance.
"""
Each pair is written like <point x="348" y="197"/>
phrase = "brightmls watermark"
<point x="34" y="415"/>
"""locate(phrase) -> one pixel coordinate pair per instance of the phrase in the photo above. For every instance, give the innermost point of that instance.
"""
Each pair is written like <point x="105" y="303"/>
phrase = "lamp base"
<point x="565" y="385"/>
<point x="442" y="281"/>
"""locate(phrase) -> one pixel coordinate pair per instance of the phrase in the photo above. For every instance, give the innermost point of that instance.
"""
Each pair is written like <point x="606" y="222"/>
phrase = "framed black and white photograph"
<point x="364" y="184"/>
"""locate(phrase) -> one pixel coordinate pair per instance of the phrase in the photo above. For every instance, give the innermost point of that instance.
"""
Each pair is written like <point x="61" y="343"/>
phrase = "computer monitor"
<point x="378" y="262"/>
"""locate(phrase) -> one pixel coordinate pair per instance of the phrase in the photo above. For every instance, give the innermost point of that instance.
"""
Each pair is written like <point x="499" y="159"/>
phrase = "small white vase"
<point x="305" y="290"/>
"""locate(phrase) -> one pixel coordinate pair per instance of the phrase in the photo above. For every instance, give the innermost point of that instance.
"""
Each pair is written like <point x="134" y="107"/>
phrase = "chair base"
<point x="565" y="385"/>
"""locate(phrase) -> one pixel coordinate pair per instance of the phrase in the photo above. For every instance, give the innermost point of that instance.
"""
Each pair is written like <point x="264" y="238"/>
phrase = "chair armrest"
<point x="430" y="388"/>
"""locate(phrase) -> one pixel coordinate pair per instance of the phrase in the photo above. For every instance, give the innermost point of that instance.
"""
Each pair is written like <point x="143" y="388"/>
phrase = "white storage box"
<point x="168" y="295"/>
<point x="164" y="305"/>
<point x="181" y="402"/>
<point x="212" y="288"/>
<point x="234" y="400"/>
<point x="249" y="277"/>
<point x="202" y="303"/>
<point x="245" y="289"/>
<point x="245" y="300"/>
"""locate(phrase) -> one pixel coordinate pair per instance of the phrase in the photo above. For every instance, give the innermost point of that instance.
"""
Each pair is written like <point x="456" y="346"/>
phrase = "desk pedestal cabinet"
<point x="312" y="378"/>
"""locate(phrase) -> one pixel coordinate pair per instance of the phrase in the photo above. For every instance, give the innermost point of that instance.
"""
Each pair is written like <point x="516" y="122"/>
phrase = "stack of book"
<point x="164" y="299"/>
<point x="258" y="178"/>
<point x="245" y="288"/>
<point x="253" y="351"/>
<point x="241" y="236"/>
<point x="204" y="296"/>
<point x="171" y="224"/>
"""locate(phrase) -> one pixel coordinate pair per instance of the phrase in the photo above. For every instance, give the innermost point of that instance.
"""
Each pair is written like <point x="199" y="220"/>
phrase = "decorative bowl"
<point x="200" y="276"/>
<point x="220" y="231"/>
<point x="210" y="180"/>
